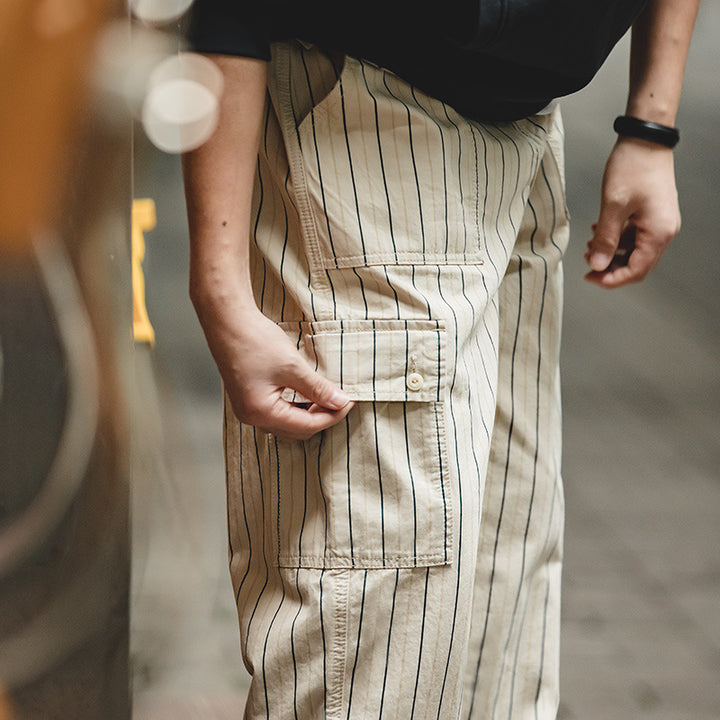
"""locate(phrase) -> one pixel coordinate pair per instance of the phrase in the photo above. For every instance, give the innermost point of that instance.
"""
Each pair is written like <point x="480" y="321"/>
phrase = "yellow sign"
<point x="143" y="218"/>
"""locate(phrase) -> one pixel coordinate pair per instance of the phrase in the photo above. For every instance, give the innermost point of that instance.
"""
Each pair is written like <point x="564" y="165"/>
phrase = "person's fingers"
<point x="624" y="247"/>
<point x="641" y="260"/>
<point x="620" y="259"/>
<point x="264" y="406"/>
<point x="292" y="422"/>
<point x="638" y="253"/>
<point x="315" y="387"/>
<point x="606" y="235"/>
<point x="611" y="278"/>
<point x="270" y="412"/>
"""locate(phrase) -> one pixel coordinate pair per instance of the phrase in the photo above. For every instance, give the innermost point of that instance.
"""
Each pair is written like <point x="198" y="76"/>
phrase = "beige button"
<point x="415" y="381"/>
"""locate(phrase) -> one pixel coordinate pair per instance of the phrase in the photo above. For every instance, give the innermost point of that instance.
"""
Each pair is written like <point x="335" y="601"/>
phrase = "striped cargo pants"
<point x="406" y="562"/>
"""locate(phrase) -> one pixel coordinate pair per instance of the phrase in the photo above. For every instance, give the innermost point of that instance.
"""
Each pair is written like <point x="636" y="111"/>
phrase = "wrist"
<point x="218" y="293"/>
<point x="649" y="150"/>
<point x="652" y="110"/>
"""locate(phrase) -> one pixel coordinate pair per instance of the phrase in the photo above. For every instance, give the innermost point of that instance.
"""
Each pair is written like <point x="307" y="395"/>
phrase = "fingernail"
<point x="599" y="261"/>
<point x="338" y="400"/>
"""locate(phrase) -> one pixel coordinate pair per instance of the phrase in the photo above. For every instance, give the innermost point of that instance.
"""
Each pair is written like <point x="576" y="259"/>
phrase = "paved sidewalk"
<point x="641" y="620"/>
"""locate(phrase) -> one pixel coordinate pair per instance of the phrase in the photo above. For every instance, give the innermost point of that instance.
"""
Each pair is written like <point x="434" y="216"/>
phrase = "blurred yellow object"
<point x="47" y="49"/>
<point x="6" y="712"/>
<point x="143" y="218"/>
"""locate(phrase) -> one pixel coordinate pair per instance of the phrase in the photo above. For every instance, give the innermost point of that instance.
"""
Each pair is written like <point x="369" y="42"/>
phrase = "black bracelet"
<point x="646" y="130"/>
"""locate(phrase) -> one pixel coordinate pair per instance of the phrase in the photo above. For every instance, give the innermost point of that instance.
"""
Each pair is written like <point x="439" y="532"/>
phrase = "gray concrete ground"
<point x="641" y="622"/>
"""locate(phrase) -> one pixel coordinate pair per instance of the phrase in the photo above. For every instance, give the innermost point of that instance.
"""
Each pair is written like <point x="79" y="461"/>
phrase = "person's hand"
<point x="639" y="214"/>
<point x="257" y="361"/>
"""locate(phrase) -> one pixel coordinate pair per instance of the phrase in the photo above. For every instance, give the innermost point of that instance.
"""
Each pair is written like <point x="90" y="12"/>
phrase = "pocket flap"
<point x="380" y="360"/>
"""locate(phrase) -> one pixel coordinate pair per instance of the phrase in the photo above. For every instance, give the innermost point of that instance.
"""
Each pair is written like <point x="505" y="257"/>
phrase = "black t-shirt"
<point x="489" y="59"/>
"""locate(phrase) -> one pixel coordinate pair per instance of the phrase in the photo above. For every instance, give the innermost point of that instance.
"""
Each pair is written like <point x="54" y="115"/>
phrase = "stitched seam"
<point x="281" y="89"/>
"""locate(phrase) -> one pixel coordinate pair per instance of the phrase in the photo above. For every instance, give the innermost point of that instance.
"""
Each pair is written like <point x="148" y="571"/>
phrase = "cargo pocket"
<point x="374" y="490"/>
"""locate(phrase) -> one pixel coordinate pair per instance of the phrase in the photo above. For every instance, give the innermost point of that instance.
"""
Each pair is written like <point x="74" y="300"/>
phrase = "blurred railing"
<point x="76" y="78"/>
<point x="65" y="344"/>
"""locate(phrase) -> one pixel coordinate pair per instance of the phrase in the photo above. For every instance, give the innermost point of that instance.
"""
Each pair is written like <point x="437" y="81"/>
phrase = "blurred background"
<point x="641" y="462"/>
<point x="65" y="353"/>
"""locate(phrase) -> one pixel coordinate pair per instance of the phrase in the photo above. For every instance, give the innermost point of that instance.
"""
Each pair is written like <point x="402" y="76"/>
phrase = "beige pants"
<point x="406" y="562"/>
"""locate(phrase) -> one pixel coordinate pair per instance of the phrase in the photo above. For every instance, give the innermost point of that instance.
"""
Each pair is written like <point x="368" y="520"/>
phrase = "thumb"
<point x="606" y="236"/>
<point x="318" y="389"/>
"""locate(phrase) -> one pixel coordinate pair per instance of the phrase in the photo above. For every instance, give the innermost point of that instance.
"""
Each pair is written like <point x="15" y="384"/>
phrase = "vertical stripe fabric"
<point x="406" y="562"/>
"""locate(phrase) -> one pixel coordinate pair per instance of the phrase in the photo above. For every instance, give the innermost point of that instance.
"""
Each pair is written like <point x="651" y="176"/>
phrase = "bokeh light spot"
<point x="181" y="107"/>
<point x="159" y="11"/>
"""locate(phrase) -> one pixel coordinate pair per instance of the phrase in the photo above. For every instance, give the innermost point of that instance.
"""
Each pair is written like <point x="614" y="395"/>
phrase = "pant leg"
<point x="514" y="649"/>
<point x="384" y="225"/>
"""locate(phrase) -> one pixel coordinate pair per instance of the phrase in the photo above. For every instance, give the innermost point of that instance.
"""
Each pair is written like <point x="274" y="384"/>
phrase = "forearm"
<point x="660" y="42"/>
<point x="219" y="180"/>
<point x="255" y="358"/>
<point x="639" y="211"/>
